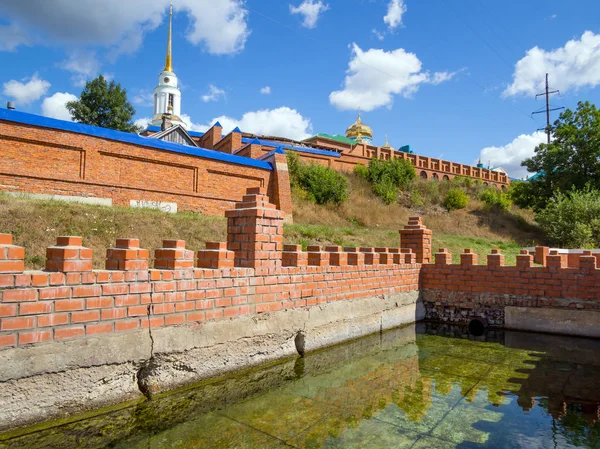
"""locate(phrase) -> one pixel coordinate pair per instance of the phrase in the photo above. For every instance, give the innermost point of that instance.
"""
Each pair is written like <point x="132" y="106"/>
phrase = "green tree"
<point x="572" y="220"/>
<point x="572" y="159"/>
<point x="103" y="104"/>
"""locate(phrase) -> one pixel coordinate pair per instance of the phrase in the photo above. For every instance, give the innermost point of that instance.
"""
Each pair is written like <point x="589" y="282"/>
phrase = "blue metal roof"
<point x="156" y="129"/>
<point x="271" y="143"/>
<point x="120" y="136"/>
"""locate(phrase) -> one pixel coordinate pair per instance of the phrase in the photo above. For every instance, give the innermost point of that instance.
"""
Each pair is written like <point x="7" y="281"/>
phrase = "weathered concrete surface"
<point x="583" y="323"/>
<point x="58" y="379"/>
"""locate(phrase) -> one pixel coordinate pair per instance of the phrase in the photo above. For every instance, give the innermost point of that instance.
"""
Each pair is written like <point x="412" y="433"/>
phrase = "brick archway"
<point x="423" y="175"/>
<point x="435" y="177"/>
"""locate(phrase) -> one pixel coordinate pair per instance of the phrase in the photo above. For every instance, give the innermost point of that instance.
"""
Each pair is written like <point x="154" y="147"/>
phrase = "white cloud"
<point x="55" y="106"/>
<point x="395" y="11"/>
<point x="380" y="36"/>
<point x="84" y="64"/>
<point x="11" y="36"/>
<point x="509" y="156"/>
<point x="26" y="92"/>
<point x="266" y="90"/>
<point x="375" y="76"/>
<point x="575" y="65"/>
<point x="142" y="122"/>
<point x="440" y="77"/>
<point x="191" y="126"/>
<point x="282" y="122"/>
<point x="213" y="94"/>
<point x="219" y="26"/>
<point x="311" y="10"/>
<point x="142" y="97"/>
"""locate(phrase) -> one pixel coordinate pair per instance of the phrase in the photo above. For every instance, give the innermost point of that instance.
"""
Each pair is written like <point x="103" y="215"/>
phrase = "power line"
<point x="547" y="110"/>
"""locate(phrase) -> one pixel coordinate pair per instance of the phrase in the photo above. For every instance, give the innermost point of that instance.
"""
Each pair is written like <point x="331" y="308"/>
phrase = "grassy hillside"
<point x="363" y="220"/>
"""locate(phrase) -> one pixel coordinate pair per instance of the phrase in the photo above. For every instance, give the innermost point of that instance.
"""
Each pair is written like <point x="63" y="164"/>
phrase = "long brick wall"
<point x="250" y="274"/>
<point x="253" y="272"/>
<point x="53" y="157"/>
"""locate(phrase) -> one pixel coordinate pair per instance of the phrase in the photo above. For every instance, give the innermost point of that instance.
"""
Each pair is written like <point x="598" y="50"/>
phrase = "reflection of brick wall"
<point x="42" y="160"/>
<point x="70" y="300"/>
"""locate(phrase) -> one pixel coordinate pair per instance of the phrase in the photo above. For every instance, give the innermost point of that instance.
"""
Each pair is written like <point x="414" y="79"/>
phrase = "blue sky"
<point x="453" y="79"/>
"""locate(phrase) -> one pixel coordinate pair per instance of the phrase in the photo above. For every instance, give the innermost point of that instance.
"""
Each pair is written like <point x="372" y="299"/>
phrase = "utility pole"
<point x="547" y="93"/>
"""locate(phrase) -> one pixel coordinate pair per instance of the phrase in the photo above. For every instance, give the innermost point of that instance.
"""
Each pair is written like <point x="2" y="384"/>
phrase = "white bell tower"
<point x="167" y="96"/>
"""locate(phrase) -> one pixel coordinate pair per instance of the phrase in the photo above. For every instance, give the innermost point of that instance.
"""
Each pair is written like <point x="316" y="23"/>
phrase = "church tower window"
<point x="171" y="98"/>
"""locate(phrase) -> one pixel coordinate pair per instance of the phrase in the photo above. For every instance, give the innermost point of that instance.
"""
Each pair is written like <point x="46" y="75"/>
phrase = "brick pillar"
<point x="317" y="257"/>
<point x="385" y="256"/>
<point x="541" y="252"/>
<point x="212" y="136"/>
<point x="173" y="256"/>
<point x="127" y="256"/>
<point x="337" y="257"/>
<point x="371" y="257"/>
<point x="524" y="260"/>
<point x="215" y="255"/>
<point x="12" y="258"/>
<point x="496" y="259"/>
<point x="355" y="257"/>
<point x="468" y="257"/>
<point x="587" y="261"/>
<point x="230" y="143"/>
<point x="417" y="237"/>
<point x="68" y="255"/>
<point x="293" y="256"/>
<point x="555" y="260"/>
<point x="443" y="257"/>
<point x="255" y="231"/>
<point x="280" y="183"/>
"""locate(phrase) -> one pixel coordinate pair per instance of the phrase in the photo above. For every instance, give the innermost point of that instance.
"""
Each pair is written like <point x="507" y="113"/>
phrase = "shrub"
<point x="315" y="182"/>
<point x="387" y="177"/>
<point x="386" y="190"/>
<point x="494" y="198"/>
<point x="399" y="171"/>
<point x="456" y="199"/>
<point x="295" y="166"/>
<point x="361" y="171"/>
<point x="572" y="219"/>
<point x="462" y="181"/>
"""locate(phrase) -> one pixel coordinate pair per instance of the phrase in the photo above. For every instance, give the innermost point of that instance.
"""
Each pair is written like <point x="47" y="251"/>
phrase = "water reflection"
<point x="428" y="388"/>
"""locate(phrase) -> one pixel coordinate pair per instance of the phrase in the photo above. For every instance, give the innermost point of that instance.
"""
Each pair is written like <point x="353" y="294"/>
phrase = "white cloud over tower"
<point x="375" y="76"/>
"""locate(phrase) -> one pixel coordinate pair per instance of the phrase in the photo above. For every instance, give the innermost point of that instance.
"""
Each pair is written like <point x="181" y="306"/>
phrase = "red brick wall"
<point x="70" y="300"/>
<point x="520" y="285"/>
<point x="49" y="161"/>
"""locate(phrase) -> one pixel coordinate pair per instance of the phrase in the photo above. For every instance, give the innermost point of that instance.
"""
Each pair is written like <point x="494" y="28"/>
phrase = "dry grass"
<point x="364" y="220"/>
<point x="365" y="210"/>
<point x="35" y="224"/>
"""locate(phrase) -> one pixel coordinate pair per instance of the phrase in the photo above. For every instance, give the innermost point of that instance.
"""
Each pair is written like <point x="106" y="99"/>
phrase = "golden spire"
<point x="168" y="60"/>
<point x="387" y="144"/>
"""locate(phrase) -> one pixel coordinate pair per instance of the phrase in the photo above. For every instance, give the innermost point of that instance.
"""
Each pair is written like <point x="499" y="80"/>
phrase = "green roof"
<point x="335" y="137"/>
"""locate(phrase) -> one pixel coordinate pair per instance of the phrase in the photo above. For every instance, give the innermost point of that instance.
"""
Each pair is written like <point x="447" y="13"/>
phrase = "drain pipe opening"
<point x="478" y="326"/>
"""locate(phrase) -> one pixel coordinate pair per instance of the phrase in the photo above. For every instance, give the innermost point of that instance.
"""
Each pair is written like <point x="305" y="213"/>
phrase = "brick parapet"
<point x="552" y="286"/>
<point x="38" y="307"/>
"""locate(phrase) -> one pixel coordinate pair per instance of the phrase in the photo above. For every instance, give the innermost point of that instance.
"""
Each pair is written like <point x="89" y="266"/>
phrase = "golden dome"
<point x="358" y="130"/>
<point x="387" y="145"/>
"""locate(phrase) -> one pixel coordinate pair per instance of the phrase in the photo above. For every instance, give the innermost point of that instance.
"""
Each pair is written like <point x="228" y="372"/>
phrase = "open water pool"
<point x="415" y="387"/>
